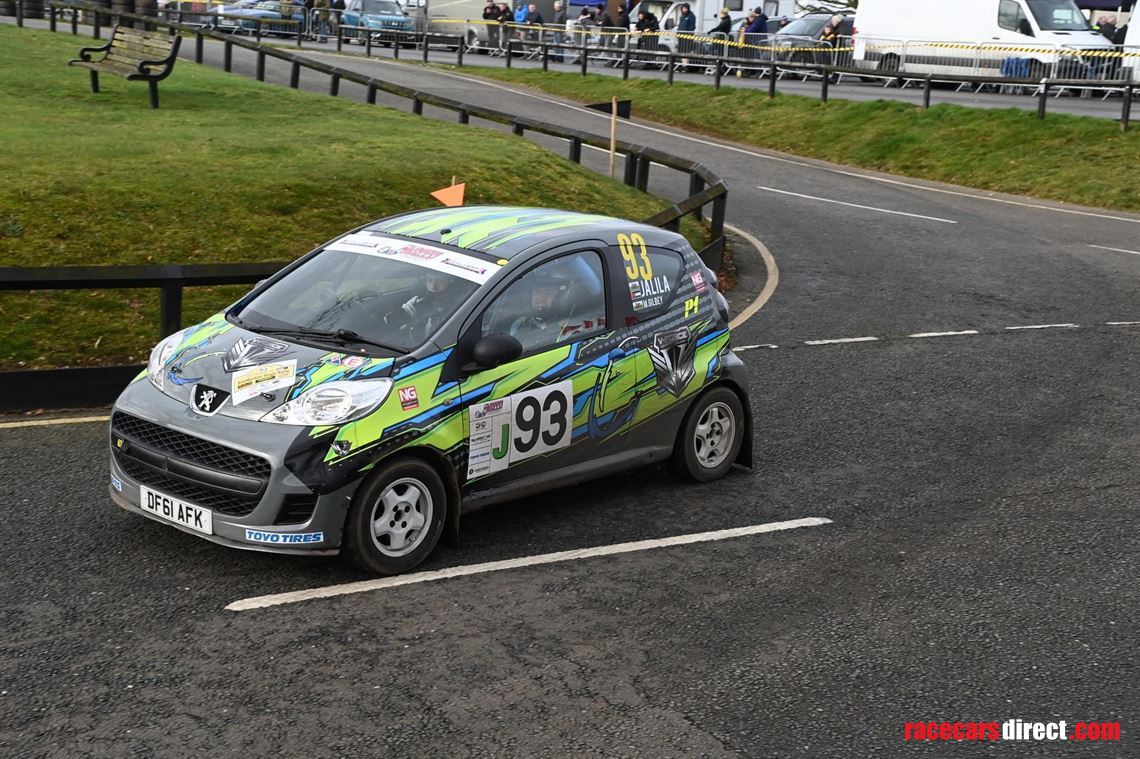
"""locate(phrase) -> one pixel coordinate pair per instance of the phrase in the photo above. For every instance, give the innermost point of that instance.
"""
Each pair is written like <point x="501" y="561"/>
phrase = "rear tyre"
<point x="396" y="518"/>
<point x="710" y="437"/>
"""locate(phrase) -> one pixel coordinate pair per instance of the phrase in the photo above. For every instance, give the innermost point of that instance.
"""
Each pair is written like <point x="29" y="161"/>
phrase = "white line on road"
<point x="50" y="422"/>
<point x="740" y="348"/>
<point x="1116" y="250"/>
<point x="945" y="334"/>
<point x="260" y="602"/>
<point x="1121" y="324"/>
<point x="840" y="340"/>
<point x="856" y="205"/>
<point x="1046" y="326"/>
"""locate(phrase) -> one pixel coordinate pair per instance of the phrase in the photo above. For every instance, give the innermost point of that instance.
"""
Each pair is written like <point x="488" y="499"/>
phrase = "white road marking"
<point x="260" y="602"/>
<point x="781" y="159"/>
<point x="1121" y="324"/>
<point x="740" y="348"/>
<point x="1045" y="326"/>
<point x="1116" y="250"/>
<point x="840" y="340"/>
<point x="770" y="282"/>
<point x="945" y="334"/>
<point x="856" y="205"/>
<point x="51" y="422"/>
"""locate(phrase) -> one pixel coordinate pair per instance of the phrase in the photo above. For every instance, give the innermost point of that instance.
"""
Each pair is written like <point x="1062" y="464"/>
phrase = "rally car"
<point x="426" y="364"/>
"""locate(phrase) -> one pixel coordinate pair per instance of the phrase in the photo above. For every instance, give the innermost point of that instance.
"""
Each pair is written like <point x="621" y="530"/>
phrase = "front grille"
<point x="199" y="495"/>
<point x="160" y="448"/>
<point x="189" y="448"/>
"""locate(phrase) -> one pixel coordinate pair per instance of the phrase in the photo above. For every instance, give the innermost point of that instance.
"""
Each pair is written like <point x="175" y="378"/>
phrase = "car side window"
<point x="651" y="275"/>
<point x="1011" y="17"/>
<point x="555" y="303"/>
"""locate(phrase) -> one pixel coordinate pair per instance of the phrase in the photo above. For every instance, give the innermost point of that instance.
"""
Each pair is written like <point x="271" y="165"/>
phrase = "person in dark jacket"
<point x="724" y="23"/>
<point x="491" y="14"/>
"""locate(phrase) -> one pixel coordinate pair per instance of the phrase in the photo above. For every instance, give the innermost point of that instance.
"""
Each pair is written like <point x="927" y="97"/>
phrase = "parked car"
<point x="264" y="13"/>
<point x="363" y="397"/>
<point x="379" y="16"/>
<point x="802" y="40"/>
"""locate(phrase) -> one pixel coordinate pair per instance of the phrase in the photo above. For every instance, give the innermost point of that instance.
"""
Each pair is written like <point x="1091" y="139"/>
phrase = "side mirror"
<point x="495" y="350"/>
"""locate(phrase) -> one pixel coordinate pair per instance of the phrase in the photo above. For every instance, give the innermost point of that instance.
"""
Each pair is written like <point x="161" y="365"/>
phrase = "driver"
<point x="423" y="314"/>
<point x="542" y="326"/>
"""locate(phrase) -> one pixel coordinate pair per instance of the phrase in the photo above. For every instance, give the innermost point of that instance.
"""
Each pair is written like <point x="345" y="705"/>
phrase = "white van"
<point x="1034" y="38"/>
<point x="1132" y="45"/>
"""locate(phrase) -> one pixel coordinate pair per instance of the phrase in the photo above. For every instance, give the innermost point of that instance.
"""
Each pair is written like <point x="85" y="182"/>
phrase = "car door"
<point x="558" y="404"/>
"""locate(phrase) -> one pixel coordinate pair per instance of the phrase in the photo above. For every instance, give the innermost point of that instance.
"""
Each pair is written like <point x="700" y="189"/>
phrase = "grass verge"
<point x="1074" y="159"/>
<point x="227" y="170"/>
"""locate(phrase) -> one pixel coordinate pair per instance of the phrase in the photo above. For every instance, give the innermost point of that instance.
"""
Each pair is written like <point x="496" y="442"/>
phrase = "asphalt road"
<point x="981" y="562"/>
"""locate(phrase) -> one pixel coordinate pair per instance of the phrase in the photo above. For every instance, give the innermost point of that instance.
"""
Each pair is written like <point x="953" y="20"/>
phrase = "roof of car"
<point x="503" y="231"/>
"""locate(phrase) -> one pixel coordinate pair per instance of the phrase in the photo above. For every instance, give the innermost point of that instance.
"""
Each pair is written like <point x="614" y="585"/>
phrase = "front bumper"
<point x="256" y="503"/>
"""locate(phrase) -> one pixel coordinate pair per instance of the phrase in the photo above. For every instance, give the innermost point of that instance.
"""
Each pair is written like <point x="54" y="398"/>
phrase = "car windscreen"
<point x="396" y="295"/>
<point x="385" y="7"/>
<point x="808" y="26"/>
<point x="1058" y="15"/>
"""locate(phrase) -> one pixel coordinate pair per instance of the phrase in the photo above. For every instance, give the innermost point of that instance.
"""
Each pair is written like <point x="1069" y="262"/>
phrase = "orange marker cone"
<point x="451" y="196"/>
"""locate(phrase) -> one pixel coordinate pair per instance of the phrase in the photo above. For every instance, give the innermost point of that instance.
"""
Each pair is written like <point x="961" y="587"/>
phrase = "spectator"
<point x="533" y="16"/>
<point x="559" y="36"/>
<point x="520" y="13"/>
<point x="724" y="23"/>
<point x="757" y="23"/>
<point x="337" y="8"/>
<point x="491" y="15"/>
<point x="648" y="26"/>
<point x="1107" y="27"/>
<point x="323" y="27"/>
<point x="622" y="19"/>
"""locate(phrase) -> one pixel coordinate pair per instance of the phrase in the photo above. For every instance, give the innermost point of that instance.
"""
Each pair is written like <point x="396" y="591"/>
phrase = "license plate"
<point x="177" y="511"/>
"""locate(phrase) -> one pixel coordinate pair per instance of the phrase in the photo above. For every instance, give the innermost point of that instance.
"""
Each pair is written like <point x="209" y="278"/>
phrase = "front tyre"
<point x="710" y="437"/>
<point x="396" y="518"/>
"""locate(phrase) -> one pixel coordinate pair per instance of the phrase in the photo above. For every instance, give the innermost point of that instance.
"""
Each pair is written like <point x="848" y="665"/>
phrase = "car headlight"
<point x="332" y="403"/>
<point x="159" y="355"/>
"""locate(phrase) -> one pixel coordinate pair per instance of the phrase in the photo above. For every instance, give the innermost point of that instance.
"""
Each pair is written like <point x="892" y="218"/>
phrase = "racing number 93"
<point x="529" y="416"/>
<point x="633" y="248"/>
<point x="519" y="426"/>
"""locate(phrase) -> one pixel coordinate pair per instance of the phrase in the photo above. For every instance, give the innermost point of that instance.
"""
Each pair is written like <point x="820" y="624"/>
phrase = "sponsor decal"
<point x="117" y="484"/>
<point x="518" y="427"/>
<point x="408" y="398"/>
<point x="672" y="355"/>
<point x="265" y="378"/>
<point x="692" y="304"/>
<point x="119" y="442"/>
<point x="283" y="538"/>
<point x="438" y="259"/>
<point x="251" y="351"/>
<point x="353" y="362"/>
<point x="206" y="400"/>
<point x="698" y="281"/>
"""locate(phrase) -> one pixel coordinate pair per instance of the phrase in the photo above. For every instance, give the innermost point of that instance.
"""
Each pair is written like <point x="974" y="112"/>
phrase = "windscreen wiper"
<point x="346" y="336"/>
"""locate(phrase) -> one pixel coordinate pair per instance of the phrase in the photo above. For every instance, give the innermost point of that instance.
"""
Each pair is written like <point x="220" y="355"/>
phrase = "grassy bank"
<point x="1075" y="159"/>
<point x="227" y="170"/>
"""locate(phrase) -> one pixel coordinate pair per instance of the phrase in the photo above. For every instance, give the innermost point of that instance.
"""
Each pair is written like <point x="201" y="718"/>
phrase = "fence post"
<point x="51" y="17"/>
<point x="395" y="47"/>
<point x="371" y="94"/>
<point x="75" y="23"/>
<point x="717" y="74"/>
<point x="170" y="305"/>
<point x="576" y="149"/>
<point x="625" y="61"/>
<point x="641" y="181"/>
<point x="198" y="45"/>
<point x="510" y="51"/>
<point x="464" y="116"/>
<point x="227" y="56"/>
<point x="368" y="45"/>
<point x="1126" y="109"/>
<point x="257" y="31"/>
<point x="260" y="66"/>
<point x="772" y="81"/>
<point x="299" y="34"/>
<point x="585" y="53"/>
<point x="696" y="184"/>
<point x="720" y="67"/>
<point x="517" y="128"/>
<point x="1043" y="99"/>
<point x="339" y="38"/>
<point x="926" y="93"/>
<point x="720" y="202"/>
<point x="545" y="58"/>
<point x="19" y="12"/>
<point x="825" y="83"/>
<point x="426" y="40"/>
<point x="295" y="75"/>
<point x="417" y="106"/>
<point x="630" y="168"/>
<point x="459" y="52"/>
<point x="669" y="69"/>
<point x="96" y="31"/>
<point x="334" y="84"/>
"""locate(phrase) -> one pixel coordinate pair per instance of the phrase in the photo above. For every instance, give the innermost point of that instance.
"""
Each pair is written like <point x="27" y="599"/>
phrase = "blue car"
<point x="267" y="12"/>
<point x="378" y="16"/>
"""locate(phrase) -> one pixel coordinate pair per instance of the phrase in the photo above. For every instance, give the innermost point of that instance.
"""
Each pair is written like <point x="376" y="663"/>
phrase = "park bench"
<point x="133" y="54"/>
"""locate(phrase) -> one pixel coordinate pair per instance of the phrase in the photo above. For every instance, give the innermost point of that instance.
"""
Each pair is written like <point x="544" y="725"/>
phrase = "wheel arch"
<point x="744" y="456"/>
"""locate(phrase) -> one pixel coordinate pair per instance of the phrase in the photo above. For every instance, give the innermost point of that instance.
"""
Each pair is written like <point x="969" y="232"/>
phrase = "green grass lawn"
<point x="1076" y="159"/>
<point x="227" y="170"/>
